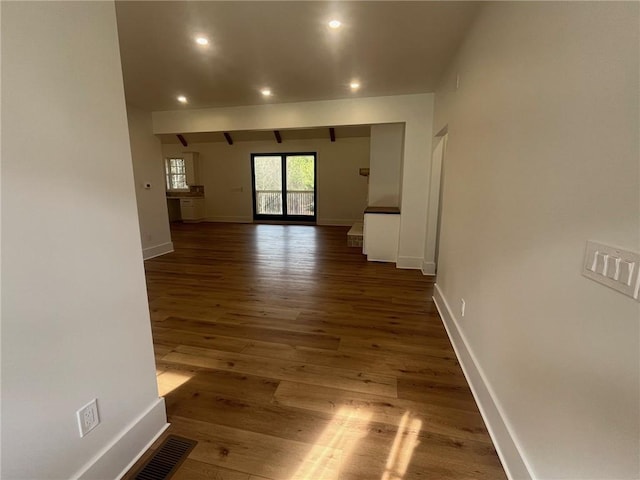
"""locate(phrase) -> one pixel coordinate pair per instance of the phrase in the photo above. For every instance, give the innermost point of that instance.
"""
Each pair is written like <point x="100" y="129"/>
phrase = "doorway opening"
<point x="284" y="186"/>
<point x="437" y="183"/>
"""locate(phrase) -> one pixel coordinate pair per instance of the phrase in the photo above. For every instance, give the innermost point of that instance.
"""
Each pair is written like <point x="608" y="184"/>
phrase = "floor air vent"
<point x="168" y="457"/>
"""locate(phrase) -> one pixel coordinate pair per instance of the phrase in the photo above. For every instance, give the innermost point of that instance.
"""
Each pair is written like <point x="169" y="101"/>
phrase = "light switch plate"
<point x="613" y="267"/>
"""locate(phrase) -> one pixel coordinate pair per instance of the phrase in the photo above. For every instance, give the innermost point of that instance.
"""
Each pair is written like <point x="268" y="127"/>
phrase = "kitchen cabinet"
<point x="192" y="209"/>
<point x="381" y="234"/>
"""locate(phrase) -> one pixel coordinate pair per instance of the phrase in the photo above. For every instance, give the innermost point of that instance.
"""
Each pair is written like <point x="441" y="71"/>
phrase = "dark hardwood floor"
<point x="288" y="356"/>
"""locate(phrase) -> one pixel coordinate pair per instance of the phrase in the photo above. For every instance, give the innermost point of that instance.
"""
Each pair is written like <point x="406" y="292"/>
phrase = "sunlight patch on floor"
<point x="169" y="380"/>
<point x="339" y="439"/>
<point x="403" y="446"/>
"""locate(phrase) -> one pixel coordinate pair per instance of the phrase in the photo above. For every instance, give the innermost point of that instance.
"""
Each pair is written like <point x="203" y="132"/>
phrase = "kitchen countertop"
<point x="184" y="195"/>
<point x="384" y="210"/>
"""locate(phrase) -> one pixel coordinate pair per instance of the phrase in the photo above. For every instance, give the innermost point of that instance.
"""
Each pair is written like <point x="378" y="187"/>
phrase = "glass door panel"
<point x="300" y="174"/>
<point x="267" y="177"/>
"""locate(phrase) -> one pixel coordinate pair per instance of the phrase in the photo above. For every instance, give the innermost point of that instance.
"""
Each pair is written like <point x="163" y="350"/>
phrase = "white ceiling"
<point x="392" y="48"/>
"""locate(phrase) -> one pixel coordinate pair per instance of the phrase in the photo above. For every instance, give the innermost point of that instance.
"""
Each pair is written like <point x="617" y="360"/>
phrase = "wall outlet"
<point x="463" y="305"/>
<point x="88" y="417"/>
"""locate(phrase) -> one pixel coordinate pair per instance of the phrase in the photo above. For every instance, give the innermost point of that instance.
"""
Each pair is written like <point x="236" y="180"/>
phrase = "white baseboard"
<point x="157" y="250"/>
<point x="413" y="263"/>
<point x="337" y="222"/>
<point x="428" y="268"/>
<point x="229" y="219"/>
<point x="504" y="440"/>
<point x="120" y="455"/>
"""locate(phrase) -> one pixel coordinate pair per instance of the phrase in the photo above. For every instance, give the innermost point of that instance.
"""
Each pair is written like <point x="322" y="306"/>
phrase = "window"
<point x="176" y="173"/>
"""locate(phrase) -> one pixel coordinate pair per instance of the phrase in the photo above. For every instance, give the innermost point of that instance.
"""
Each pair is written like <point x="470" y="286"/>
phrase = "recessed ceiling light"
<point x="182" y="99"/>
<point x="354" y="85"/>
<point x="266" y="92"/>
<point x="202" y="41"/>
<point x="335" y="23"/>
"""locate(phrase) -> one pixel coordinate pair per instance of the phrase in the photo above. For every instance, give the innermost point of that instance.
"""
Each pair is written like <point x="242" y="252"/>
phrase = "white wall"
<point x="225" y="171"/>
<point x="75" y="323"/>
<point x="542" y="156"/>
<point x="385" y="180"/>
<point x="415" y="111"/>
<point x="148" y="167"/>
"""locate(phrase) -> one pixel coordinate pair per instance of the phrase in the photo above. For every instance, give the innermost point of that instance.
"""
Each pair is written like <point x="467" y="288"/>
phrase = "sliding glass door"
<point x="284" y="186"/>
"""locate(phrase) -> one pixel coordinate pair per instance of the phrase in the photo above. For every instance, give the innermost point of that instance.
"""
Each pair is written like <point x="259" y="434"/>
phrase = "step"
<point x="355" y="235"/>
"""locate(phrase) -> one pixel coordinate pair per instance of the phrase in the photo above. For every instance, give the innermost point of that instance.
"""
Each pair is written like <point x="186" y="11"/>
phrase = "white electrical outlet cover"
<point x="88" y="417"/>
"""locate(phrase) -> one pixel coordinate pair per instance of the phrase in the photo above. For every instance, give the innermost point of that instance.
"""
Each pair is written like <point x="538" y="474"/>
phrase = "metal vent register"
<point x="169" y="456"/>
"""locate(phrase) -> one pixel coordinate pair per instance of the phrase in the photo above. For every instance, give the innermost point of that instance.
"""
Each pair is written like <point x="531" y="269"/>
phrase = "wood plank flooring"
<point x="288" y="356"/>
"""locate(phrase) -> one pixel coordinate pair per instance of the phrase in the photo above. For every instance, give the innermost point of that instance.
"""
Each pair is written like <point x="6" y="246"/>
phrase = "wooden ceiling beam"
<point x="228" y="138"/>
<point x="277" y="135"/>
<point x="182" y="140"/>
<point x="332" y="134"/>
